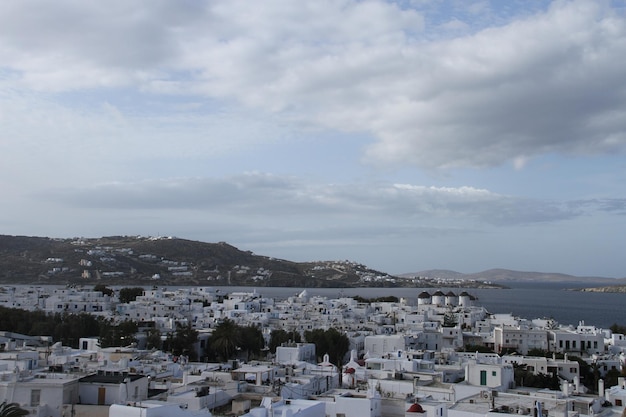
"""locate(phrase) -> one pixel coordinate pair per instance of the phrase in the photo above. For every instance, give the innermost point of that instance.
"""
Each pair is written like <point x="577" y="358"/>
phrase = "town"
<point x="433" y="353"/>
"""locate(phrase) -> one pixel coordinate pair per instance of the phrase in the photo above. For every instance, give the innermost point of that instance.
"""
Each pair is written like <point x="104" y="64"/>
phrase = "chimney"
<point x="601" y="389"/>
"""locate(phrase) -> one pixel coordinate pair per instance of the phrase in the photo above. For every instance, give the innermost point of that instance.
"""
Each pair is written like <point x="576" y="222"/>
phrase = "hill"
<point x="136" y="260"/>
<point x="503" y="276"/>
<point x="141" y="261"/>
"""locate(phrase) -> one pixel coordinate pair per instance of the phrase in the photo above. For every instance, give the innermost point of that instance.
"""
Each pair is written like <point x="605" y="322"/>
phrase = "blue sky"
<point x="405" y="135"/>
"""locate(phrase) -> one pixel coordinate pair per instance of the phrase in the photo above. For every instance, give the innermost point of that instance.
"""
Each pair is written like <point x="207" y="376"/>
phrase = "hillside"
<point x="503" y="276"/>
<point x="137" y="260"/>
<point x="132" y="260"/>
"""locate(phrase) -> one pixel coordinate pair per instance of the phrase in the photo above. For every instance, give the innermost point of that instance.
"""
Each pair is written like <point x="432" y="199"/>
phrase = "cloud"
<point x="545" y="83"/>
<point x="101" y="139"/>
<point x="289" y="199"/>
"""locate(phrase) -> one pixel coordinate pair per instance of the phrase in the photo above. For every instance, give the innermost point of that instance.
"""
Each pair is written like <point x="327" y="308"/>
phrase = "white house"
<point x="489" y="375"/>
<point x="154" y="409"/>
<point x="110" y="387"/>
<point x="42" y="394"/>
<point x="290" y="408"/>
<point x="352" y="404"/>
<point x="290" y="353"/>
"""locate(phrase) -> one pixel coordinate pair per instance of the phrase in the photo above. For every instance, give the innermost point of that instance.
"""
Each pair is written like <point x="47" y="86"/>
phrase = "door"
<point x="101" y="395"/>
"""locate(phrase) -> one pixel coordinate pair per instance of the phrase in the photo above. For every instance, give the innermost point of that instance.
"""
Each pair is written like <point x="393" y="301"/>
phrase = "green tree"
<point x="251" y="340"/>
<point x="127" y="332"/>
<point x="385" y="299"/>
<point x="330" y="342"/>
<point x="225" y="339"/>
<point x="477" y="348"/>
<point x="153" y="339"/>
<point x="122" y="334"/>
<point x="182" y="341"/>
<point x="524" y="377"/>
<point x="616" y="328"/>
<point x="12" y="410"/>
<point x="130" y="294"/>
<point x="280" y="336"/>
<point x="104" y="289"/>
<point x="610" y="379"/>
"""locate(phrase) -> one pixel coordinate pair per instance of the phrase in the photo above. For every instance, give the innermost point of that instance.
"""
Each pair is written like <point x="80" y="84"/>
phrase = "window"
<point x="35" y="396"/>
<point x="494" y="373"/>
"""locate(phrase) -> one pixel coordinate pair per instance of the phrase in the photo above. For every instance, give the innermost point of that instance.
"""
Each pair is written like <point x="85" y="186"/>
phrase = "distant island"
<point x="608" y="288"/>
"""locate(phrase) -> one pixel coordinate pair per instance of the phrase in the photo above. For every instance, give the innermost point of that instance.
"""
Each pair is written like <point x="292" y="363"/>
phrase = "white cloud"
<point x="163" y="104"/>
<point x="546" y="83"/>
<point x="291" y="199"/>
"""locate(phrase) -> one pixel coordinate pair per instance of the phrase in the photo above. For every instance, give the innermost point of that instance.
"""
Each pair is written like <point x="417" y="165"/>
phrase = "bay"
<point x="526" y="300"/>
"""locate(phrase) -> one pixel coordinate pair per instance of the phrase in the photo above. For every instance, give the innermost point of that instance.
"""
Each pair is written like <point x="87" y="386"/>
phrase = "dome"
<point x="423" y="294"/>
<point x="438" y="293"/>
<point x="415" y="408"/>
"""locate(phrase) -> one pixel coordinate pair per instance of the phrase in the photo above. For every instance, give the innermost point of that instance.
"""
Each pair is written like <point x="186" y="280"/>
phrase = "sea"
<point x="558" y="301"/>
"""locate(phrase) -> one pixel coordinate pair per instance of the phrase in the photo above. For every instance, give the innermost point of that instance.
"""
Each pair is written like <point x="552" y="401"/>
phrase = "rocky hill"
<point x="609" y="288"/>
<point x="503" y="276"/>
<point x="136" y="260"/>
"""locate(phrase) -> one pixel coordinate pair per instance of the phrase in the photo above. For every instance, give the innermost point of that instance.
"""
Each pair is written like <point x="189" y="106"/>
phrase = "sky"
<point x="404" y="135"/>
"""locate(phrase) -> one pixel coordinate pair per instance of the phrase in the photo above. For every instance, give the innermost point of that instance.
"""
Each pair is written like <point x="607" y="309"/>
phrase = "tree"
<point x="476" y="348"/>
<point x="524" y="377"/>
<point x="12" y="410"/>
<point x="103" y="289"/>
<point x="225" y="339"/>
<point x="280" y="336"/>
<point x="616" y="328"/>
<point x="251" y="340"/>
<point x="130" y="294"/>
<point x="182" y="341"/>
<point x="123" y="334"/>
<point x="330" y="341"/>
<point x="153" y="339"/>
<point x="385" y="299"/>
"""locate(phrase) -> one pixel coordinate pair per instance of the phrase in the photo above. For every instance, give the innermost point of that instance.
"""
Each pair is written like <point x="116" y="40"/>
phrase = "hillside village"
<point x="431" y="354"/>
<point x="166" y="260"/>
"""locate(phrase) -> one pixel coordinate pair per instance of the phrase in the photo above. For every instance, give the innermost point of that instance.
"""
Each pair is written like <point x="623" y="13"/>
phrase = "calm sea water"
<point x="526" y="300"/>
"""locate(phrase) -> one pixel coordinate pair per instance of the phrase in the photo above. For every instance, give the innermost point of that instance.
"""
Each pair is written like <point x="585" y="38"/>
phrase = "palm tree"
<point x="225" y="339"/>
<point x="12" y="410"/>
